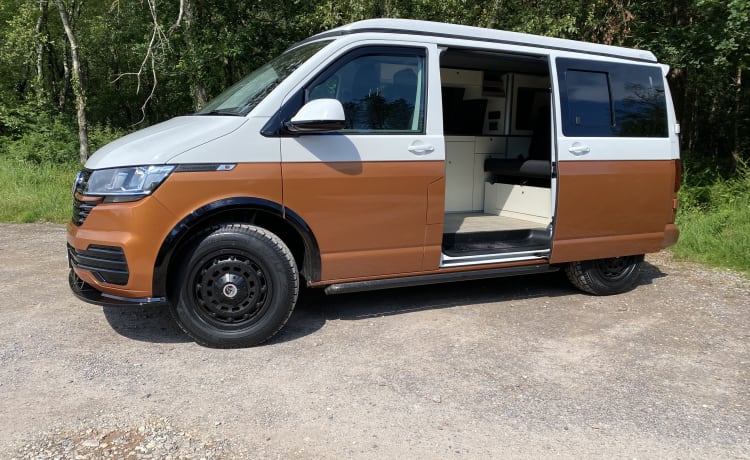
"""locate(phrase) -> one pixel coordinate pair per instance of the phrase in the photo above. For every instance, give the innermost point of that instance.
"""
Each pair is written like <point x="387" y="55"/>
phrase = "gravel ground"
<point x="519" y="367"/>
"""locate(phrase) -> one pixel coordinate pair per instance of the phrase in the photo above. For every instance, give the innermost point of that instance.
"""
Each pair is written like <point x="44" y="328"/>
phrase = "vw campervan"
<point x="380" y="154"/>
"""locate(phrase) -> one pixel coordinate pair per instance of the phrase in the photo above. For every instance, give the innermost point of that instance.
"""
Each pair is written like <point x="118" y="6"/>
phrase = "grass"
<point x="714" y="216"/>
<point x="714" y="222"/>
<point x="719" y="237"/>
<point x="35" y="192"/>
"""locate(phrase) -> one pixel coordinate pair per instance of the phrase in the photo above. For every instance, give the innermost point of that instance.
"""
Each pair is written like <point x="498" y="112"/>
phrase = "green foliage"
<point x="49" y="141"/>
<point x="714" y="220"/>
<point x="16" y="120"/>
<point x="52" y="140"/>
<point x="139" y="70"/>
<point x="714" y="215"/>
<point x="32" y="193"/>
<point x="706" y="43"/>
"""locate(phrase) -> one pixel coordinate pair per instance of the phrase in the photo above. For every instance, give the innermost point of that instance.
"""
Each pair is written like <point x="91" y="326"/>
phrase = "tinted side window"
<point x="601" y="99"/>
<point x="380" y="89"/>
<point x="589" y="110"/>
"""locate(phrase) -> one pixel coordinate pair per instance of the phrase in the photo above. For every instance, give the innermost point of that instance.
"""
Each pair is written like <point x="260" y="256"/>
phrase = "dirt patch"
<point x="521" y="367"/>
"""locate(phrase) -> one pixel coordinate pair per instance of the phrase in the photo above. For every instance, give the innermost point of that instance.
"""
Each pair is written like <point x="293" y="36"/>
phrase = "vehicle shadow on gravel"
<point x="314" y="309"/>
<point x="146" y="324"/>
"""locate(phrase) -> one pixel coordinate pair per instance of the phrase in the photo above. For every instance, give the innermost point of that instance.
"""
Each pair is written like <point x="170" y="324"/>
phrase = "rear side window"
<point x="602" y="99"/>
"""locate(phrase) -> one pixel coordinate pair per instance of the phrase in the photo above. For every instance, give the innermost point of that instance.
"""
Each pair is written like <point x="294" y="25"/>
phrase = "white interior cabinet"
<point x="459" y="174"/>
<point x="518" y="201"/>
<point x="464" y="170"/>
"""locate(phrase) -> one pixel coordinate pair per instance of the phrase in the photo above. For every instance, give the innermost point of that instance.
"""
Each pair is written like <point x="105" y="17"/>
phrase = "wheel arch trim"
<point x="182" y="229"/>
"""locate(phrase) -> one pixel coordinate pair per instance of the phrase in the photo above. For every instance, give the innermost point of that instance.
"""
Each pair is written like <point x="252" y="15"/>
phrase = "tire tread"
<point x="585" y="275"/>
<point x="278" y="245"/>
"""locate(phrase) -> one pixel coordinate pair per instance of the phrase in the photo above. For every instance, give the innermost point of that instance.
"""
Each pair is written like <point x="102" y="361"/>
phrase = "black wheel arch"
<point x="272" y="216"/>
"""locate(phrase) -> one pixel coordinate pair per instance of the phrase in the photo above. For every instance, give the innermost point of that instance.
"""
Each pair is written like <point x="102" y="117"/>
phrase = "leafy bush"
<point x="16" y="120"/>
<point x="714" y="219"/>
<point x="54" y="140"/>
<point x="49" y="141"/>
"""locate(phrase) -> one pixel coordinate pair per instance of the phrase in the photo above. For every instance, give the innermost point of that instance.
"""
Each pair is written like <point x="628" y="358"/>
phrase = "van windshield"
<point x="243" y="96"/>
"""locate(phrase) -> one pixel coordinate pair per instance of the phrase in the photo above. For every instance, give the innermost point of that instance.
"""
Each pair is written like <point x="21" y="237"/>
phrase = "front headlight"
<point x="126" y="184"/>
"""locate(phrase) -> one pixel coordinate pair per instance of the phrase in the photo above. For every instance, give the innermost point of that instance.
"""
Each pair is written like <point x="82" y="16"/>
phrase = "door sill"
<point x="492" y="258"/>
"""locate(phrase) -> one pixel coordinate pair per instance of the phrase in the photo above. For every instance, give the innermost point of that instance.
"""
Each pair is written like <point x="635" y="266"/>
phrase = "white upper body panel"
<point x="159" y="143"/>
<point x="244" y="145"/>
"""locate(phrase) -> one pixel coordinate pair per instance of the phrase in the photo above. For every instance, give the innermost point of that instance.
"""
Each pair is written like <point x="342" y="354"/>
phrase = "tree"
<point x="77" y="81"/>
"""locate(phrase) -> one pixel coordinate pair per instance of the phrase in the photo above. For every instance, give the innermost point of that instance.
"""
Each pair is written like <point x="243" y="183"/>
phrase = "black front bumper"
<point x="106" y="263"/>
<point x="88" y="293"/>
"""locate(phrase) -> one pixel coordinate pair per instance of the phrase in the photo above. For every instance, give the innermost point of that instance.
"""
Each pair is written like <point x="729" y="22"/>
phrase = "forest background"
<point x="76" y="74"/>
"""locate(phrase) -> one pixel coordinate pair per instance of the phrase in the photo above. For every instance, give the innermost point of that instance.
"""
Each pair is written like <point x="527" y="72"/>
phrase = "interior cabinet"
<point x="464" y="171"/>
<point x="459" y="174"/>
<point x="518" y="201"/>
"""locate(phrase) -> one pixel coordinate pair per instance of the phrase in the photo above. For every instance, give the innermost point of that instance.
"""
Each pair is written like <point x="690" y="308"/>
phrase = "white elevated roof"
<point x="438" y="29"/>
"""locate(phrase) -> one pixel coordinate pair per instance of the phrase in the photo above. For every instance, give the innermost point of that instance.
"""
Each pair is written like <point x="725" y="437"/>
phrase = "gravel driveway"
<point x="515" y="367"/>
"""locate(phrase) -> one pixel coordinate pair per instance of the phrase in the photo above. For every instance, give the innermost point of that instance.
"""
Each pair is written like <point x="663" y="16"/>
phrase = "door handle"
<point x="579" y="149"/>
<point x="420" y="149"/>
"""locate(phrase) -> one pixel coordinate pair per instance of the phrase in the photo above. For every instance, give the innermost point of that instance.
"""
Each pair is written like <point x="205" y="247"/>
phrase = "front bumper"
<point x="106" y="263"/>
<point x="88" y="293"/>
<point x="114" y="250"/>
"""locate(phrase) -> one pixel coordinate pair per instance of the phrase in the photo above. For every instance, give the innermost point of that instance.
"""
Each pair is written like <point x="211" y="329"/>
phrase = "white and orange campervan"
<point x="380" y="154"/>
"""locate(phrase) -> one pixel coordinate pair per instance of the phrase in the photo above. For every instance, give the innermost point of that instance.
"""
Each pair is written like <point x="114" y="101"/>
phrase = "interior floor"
<point x="475" y="222"/>
<point x="475" y="233"/>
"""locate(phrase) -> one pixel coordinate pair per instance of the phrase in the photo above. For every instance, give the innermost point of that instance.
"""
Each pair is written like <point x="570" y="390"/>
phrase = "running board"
<point x="392" y="283"/>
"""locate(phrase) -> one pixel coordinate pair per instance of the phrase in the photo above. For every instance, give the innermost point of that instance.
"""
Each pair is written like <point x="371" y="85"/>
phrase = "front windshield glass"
<point x="243" y="96"/>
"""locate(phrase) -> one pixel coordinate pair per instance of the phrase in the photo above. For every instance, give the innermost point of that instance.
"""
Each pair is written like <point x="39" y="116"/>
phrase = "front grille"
<point x="107" y="263"/>
<point x="81" y="210"/>
<point x="82" y="207"/>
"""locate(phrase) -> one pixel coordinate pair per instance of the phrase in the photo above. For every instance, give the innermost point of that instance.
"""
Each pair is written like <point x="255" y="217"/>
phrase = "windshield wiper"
<point x="221" y="112"/>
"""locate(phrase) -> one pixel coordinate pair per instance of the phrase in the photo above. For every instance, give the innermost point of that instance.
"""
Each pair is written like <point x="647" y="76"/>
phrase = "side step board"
<point x="391" y="283"/>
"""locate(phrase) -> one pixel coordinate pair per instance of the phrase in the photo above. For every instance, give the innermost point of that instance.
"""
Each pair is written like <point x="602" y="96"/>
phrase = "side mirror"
<point x="317" y="116"/>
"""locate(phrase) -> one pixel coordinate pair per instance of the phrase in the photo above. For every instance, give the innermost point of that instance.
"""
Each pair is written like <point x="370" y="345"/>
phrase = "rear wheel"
<point x="238" y="287"/>
<point x="605" y="276"/>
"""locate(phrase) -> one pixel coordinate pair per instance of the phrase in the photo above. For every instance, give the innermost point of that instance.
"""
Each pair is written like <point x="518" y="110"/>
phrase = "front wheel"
<point x="237" y="288"/>
<point x="605" y="276"/>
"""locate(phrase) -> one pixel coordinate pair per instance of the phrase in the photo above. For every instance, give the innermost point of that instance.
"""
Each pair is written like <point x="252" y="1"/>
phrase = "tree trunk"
<point x="78" y="89"/>
<point x="200" y="97"/>
<point x="63" y="94"/>
<point x="736" y="155"/>
<point x="40" y="93"/>
<point x="680" y="84"/>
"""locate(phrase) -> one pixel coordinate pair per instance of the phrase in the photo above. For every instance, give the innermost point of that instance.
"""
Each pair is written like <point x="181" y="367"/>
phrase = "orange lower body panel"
<point x="369" y="218"/>
<point x="613" y="208"/>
